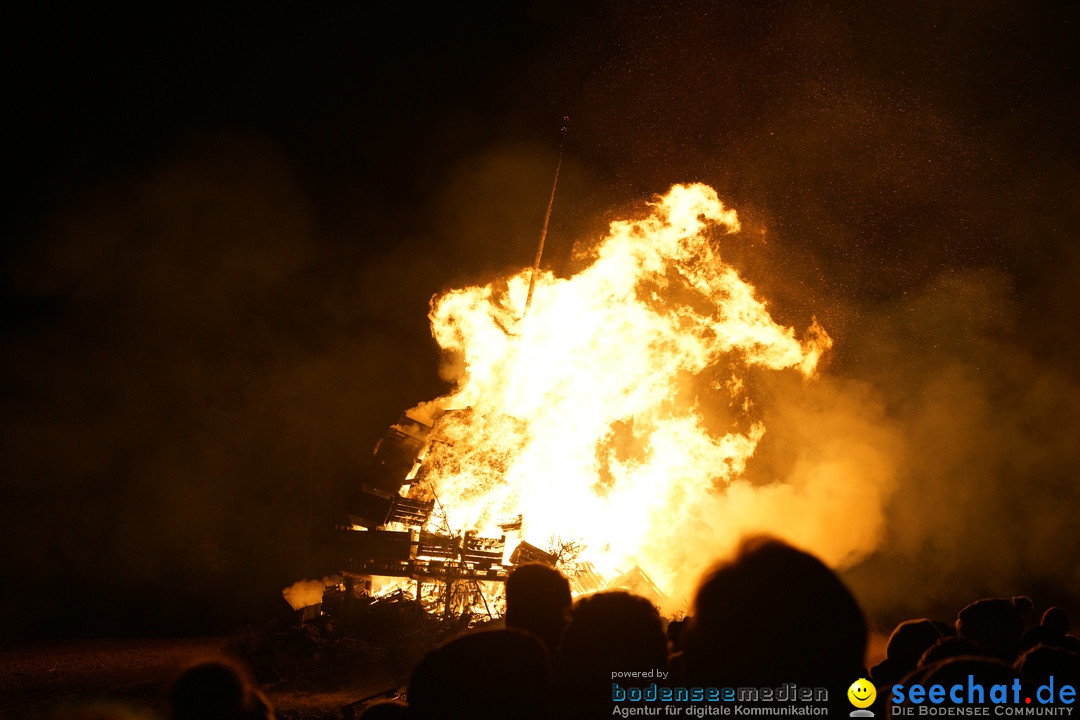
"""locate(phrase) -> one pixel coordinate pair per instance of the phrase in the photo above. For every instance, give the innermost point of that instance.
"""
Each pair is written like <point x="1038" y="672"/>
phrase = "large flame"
<point x="614" y="411"/>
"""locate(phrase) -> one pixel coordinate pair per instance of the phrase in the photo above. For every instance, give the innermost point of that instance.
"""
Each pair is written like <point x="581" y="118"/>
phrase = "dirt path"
<point x="36" y="674"/>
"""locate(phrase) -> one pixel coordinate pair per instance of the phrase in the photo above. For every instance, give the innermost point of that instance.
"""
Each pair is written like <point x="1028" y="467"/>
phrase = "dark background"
<point x="223" y="229"/>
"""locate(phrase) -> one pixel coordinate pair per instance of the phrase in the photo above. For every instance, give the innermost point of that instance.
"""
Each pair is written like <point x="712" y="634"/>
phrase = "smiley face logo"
<point x="861" y="694"/>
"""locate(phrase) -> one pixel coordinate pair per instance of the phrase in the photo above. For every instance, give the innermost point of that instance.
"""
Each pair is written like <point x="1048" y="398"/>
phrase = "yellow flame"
<point x="595" y="415"/>
<point x="308" y="592"/>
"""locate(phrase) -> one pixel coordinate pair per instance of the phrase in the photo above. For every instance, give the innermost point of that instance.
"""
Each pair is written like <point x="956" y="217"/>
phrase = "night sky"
<point x="223" y="229"/>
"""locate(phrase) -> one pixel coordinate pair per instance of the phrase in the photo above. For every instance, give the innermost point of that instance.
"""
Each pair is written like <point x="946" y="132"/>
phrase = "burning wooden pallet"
<point x="419" y="554"/>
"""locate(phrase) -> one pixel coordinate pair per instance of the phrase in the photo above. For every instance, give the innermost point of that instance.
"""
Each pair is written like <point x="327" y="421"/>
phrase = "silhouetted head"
<point x="1042" y="662"/>
<point x="611" y="631"/>
<point x="985" y="672"/>
<point x="995" y="624"/>
<point x="216" y="690"/>
<point x="538" y="600"/>
<point x="1055" y="618"/>
<point x="674" y="635"/>
<point x="608" y="632"/>
<point x="774" y="614"/>
<point x="499" y="672"/>
<point x="1051" y="630"/>
<point x="907" y="643"/>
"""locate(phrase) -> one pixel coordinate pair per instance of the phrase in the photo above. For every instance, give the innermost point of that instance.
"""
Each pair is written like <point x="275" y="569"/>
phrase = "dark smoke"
<point x="226" y="228"/>
<point x="183" y="425"/>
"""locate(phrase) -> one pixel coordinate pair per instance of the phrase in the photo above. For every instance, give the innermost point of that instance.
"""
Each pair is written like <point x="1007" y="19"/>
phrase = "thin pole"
<point x="547" y="217"/>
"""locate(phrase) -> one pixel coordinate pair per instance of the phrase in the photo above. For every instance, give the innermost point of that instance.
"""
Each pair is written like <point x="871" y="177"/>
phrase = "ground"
<point x="37" y="677"/>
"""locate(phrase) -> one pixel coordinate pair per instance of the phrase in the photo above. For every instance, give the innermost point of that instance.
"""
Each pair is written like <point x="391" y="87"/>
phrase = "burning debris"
<point x="613" y="414"/>
<point x="396" y="533"/>
<point x="527" y="553"/>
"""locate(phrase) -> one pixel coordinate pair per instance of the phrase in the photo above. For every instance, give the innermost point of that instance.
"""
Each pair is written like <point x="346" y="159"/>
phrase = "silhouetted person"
<point x="986" y="671"/>
<point x="1042" y="662"/>
<point x="907" y="643"/>
<point x="1056" y="618"/>
<point x="217" y="690"/>
<point x="676" y="631"/>
<point x="500" y="673"/>
<point x="1052" y="629"/>
<point x="674" y="635"/>
<point x="608" y="632"/>
<point x="774" y="615"/>
<point x="995" y="625"/>
<point x="538" y="601"/>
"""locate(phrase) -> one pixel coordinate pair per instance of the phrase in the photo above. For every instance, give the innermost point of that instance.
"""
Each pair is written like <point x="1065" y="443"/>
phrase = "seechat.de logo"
<point x="974" y="698"/>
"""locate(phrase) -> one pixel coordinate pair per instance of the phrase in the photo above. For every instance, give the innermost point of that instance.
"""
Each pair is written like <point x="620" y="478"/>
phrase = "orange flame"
<point x="588" y="415"/>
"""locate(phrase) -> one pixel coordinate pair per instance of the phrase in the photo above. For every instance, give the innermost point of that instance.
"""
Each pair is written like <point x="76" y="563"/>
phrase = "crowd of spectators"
<point x="770" y="616"/>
